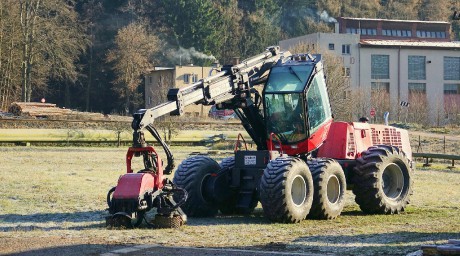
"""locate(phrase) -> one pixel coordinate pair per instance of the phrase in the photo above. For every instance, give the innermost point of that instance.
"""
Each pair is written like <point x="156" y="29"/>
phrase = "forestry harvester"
<point x="304" y="160"/>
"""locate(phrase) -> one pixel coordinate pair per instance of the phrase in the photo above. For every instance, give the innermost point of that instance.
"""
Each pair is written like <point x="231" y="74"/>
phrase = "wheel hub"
<point x="298" y="190"/>
<point x="393" y="181"/>
<point x="333" y="189"/>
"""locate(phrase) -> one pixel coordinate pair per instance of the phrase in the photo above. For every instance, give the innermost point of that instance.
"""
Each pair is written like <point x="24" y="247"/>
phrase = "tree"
<point x="130" y="58"/>
<point x="52" y="38"/>
<point x="435" y="10"/>
<point x="194" y="23"/>
<point x="9" y="54"/>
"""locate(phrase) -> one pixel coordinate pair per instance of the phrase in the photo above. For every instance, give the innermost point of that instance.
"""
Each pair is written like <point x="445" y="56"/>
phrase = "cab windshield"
<point x="288" y="78"/>
<point x="285" y="116"/>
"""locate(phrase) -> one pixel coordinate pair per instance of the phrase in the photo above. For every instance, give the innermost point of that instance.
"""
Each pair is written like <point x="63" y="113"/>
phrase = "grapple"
<point x="137" y="195"/>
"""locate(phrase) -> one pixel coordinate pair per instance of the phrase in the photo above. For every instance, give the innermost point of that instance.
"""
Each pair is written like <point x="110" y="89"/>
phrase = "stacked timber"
<point x="50" y="111"/>
<point x="451" y="248"/>
<point x="37" y="109"/>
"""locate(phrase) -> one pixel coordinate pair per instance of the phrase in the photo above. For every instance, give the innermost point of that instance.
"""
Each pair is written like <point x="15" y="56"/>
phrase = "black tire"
<point x="229" y="207"/>
<point x="330" y="185"/>
<point x="382" y="180"/>
<point x="286" y="190"/>
<point x="191" y="175"/>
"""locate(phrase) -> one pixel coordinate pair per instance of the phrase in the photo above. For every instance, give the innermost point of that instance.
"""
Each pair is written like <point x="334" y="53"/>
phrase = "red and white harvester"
<point x="304" y="160"/>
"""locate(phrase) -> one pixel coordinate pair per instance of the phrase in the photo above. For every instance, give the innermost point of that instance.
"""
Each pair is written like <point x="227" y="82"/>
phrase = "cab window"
<point x="319" y="109"/>
<point x="288" y="79"/>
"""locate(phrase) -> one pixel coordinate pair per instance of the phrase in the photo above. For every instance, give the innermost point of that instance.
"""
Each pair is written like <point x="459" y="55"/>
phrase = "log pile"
<point x="50" y="111"/>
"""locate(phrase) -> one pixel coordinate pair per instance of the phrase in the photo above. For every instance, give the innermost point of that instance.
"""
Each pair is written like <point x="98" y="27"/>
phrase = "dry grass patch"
<point x="56" y="197"/>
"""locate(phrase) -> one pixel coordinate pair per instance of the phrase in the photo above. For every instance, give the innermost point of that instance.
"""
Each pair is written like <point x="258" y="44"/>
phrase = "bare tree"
<point x="9" y="62"/>
<point x="452" y="108"/>
<point x="418" y="110"/>
<point x="130" y="58"/>
<point x="52" y="38"/>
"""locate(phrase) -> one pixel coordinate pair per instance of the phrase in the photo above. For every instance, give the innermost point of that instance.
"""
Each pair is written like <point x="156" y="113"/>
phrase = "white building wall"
<point x="359" y="62"/>
<point x="321" y="43"/>
<point x="399" y="77"/>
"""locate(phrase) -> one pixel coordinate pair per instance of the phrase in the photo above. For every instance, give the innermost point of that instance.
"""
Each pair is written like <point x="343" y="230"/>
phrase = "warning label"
<point x="250" y="160"/>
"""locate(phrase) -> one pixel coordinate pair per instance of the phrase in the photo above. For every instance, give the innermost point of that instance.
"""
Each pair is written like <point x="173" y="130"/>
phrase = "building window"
<point x="331" y="47"/>
<point x="380" y="87"/>
<point x="419" y="88"/>
<point x="150" y="79"/>
<point x="346" y="72"/>
<point x="380" y="66"/>
<point x="451" y="88"/>
<point x="431" y="34"/>
<point x="352" y="31"/>
<point x="346" y="49"/>
<point x="186" y="78"/>
<point x="194" y="78"/>
<point x="451" y="68"/>
<point x="396" y="32"/>
<point x="417" y="67"/>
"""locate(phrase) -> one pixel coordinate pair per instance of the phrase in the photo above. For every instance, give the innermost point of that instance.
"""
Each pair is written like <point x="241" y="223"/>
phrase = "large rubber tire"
<point x="191" y="175"/>
<point x="286" y="190"/>
<point x="330" y="185"/>
<point x="382" y="180"/>
<point x="229" y="207"/>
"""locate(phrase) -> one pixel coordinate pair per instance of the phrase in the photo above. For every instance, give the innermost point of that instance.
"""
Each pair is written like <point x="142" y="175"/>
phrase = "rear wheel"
<point x="330" y="185"/>
<point x="382" y="180"/>
<point x="286" y="190"/>
<point x="192" y="175"/>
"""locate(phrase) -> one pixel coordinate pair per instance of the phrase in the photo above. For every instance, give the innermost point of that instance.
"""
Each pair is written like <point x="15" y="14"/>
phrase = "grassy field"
<point x="55" y="197"/>
<point x="30" y="135"/>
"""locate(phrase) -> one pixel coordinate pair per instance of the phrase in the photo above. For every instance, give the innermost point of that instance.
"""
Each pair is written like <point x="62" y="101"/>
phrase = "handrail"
<point x="238" y="142"/>
<point x="435" y="155"/>
<point x="279" y="142"/>
<point x="438" y="156"/>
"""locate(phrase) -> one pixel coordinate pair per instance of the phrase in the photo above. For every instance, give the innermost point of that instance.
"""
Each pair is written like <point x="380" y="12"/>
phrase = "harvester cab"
<point x="296" y="104"/>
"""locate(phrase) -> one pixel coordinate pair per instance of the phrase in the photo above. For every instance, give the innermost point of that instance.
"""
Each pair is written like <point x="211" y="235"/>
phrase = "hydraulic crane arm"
<point x="232" y="86"/>
<point x="230" y="82"/>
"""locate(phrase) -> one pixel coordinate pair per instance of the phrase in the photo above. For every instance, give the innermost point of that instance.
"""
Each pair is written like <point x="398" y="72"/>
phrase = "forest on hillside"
<point x="91" y="54"/>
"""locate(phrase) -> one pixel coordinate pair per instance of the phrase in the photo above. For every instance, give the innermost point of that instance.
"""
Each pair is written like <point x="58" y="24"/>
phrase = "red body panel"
<point x="133" y="185"/>
<point x="349" y="140"/>
<point x="315" y="141"/>
<point x="159" y="173"/>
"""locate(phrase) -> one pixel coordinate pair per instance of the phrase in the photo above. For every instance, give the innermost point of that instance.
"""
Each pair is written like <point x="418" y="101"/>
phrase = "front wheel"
<point x="286" y="190"/>
<point x="382" y="180"/>
<point x="192" y="175"/>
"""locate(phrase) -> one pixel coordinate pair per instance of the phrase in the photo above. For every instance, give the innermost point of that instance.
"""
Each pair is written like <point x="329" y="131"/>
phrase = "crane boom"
<point x="231" y="86"/>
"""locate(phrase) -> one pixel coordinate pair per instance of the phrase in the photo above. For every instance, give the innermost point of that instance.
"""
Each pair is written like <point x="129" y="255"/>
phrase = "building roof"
<point x="414" y="44"/>
<point x="389" y="20"/>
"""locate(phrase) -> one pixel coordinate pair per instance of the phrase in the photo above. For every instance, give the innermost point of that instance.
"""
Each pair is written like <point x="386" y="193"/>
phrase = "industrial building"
<point x="414" y="62"/>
